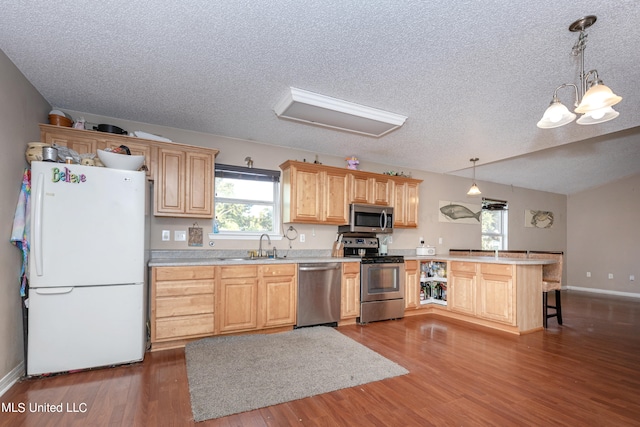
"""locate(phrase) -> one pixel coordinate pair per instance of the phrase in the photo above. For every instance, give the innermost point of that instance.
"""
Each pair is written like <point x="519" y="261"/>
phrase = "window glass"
<point x="494" y="224"/>
<point x="246" y="200"/>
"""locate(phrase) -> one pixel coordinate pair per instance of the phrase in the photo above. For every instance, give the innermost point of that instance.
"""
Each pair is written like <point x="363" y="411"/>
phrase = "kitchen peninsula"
<point x="502" y="293"/>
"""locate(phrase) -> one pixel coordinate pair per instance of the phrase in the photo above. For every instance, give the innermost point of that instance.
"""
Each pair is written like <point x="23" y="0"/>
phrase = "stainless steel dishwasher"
<point x="319" y="293"/>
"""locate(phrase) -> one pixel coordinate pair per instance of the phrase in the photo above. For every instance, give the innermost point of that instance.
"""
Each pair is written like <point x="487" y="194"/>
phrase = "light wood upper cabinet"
<point x="184" y="183"/>
<point x="183" y="174"/>
<point x="318" y="194"/>
<point x="312" y="194"/>
<point x="350" y="291"/>
<point x="372" y="189"/>
<point x="405" y="204"/>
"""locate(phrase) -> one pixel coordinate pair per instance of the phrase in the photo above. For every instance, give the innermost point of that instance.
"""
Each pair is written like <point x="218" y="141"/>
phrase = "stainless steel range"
<point x="381" y="278"/>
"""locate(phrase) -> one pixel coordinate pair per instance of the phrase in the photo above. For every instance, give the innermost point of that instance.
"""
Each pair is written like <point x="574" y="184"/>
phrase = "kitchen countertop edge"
<point x="181" y="262"/>
<point x="483" y="259"/>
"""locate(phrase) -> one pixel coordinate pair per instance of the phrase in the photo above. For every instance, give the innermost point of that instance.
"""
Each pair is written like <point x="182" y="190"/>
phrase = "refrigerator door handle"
<point x="37" y="231"/>
<point x="53" y="291"/>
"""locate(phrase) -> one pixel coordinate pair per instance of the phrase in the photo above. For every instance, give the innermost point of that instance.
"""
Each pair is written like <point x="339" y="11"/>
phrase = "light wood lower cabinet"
<point x="277" y="292"/>
<point x="257" y="297"/>
<point x="462" y="289"/>
<point x="182" y="303"/>
<point x="238" y="298"/>
<point x="496" y="293"/>
<point x="350" y="291"/>
<point x="502" y="296"/>
<point x="411" y="285"/>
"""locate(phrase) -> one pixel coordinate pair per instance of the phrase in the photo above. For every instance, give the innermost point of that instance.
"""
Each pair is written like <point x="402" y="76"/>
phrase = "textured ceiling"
<point x="473" y="77"/>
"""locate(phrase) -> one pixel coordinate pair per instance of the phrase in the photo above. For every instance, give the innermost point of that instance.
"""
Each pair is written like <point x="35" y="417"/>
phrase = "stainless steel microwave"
<point x="369" y="219"/>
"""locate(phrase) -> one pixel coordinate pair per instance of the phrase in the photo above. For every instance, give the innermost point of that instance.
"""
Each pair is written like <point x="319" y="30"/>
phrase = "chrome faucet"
<point x="260" y="246"/>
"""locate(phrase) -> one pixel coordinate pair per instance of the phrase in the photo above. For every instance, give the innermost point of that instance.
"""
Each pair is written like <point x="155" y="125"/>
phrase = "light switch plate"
<point x="180" y="236"/>
<point x="166" y="235"/>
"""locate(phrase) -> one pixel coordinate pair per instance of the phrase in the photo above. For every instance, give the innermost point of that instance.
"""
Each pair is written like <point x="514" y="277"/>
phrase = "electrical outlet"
<point x="632" y="278"/>
<point x="439" y="240"/>
<point x="180" y="236"/>
<point x="610" y="275"/>
<point x="389" y="239"/>
<point x="588" y="274"/>
<point x="166" y="235"/>
<point x="302" y="238"/>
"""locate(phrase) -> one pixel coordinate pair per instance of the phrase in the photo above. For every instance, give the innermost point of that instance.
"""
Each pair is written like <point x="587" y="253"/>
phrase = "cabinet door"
<point x="411" y="202"/>
<point x="306" y="201"/>
<point x="350" y="291"/>
<point x="238" y="298"/>
<point x="497" y="297"/>
<point x="462" y="291"/>
<point x="399" y="205"/>
<point x="199" y="188"/>
<point x="412" y="285"/>
<point x="360" y="188"/>
<point x="336" y="198"/>
<point x="171" y="182"/>
<point x="382" y="191"/>
<point x="278" y="297"/>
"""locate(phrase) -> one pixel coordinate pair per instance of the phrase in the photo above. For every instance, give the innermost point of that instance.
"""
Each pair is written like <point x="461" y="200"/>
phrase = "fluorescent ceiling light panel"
<point x="320" y="110"/>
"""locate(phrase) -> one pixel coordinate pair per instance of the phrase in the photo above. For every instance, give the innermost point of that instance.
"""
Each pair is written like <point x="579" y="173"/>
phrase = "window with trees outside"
<point x="494" y="220"/>
<point x="246" y="201"/>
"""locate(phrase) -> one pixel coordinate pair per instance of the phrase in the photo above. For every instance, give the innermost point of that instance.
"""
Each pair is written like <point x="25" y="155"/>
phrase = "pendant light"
<point x="474" y="190"/>
<point x="592" y="98"/>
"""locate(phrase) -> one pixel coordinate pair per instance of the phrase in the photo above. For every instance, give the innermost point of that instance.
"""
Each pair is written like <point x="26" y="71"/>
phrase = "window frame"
<point x="492" y="205"/>
<point x="249" y="174"/>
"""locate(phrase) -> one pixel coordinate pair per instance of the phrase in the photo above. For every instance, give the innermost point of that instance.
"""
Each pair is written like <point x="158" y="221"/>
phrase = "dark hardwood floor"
<point x="584" y="373"/>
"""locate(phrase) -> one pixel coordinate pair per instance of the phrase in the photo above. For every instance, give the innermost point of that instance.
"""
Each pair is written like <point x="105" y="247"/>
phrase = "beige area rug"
<point x="228" y="375"/>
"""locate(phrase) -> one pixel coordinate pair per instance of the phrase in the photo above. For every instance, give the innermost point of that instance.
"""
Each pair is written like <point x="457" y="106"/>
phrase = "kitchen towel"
<point x="21" y="231"/>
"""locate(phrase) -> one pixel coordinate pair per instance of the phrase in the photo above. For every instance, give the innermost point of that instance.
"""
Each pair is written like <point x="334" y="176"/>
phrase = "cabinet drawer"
<point x="497" y="269"/>
<point x="184" y="273"/>
<point x="185" y="287"/>
<point x="350" y="267"/>
<point x="469" y="267"/>
<point x="180" y="306"/>
<point x="239" y="271"/>
<point x="279" y="270"/>
<point x="184" y="326"/>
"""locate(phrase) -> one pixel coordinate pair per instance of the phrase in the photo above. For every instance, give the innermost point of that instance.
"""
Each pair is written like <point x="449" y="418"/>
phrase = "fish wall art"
<point x="463" y="213"/>
<point x="538" y="219"/>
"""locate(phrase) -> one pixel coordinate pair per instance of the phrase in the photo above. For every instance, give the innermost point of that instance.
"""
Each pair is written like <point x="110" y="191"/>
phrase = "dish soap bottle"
<point x="216" y="225"/>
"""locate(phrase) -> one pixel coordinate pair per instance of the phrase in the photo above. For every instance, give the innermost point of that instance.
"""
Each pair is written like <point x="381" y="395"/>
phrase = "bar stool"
<point x="551" y="281"/>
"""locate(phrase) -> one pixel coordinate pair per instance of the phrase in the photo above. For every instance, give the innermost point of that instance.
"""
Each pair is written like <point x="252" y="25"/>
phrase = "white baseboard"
<point x="604" y="291"/>
<point x="11" y="378"/>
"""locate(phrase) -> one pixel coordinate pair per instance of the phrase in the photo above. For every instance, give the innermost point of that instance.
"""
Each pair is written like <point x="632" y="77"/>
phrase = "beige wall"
<point x="21" y="109"/>
<point x="604" y="237"/>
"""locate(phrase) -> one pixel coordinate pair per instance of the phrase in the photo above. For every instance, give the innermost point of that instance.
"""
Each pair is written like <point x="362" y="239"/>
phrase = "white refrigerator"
<point x="86" y="302"/>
